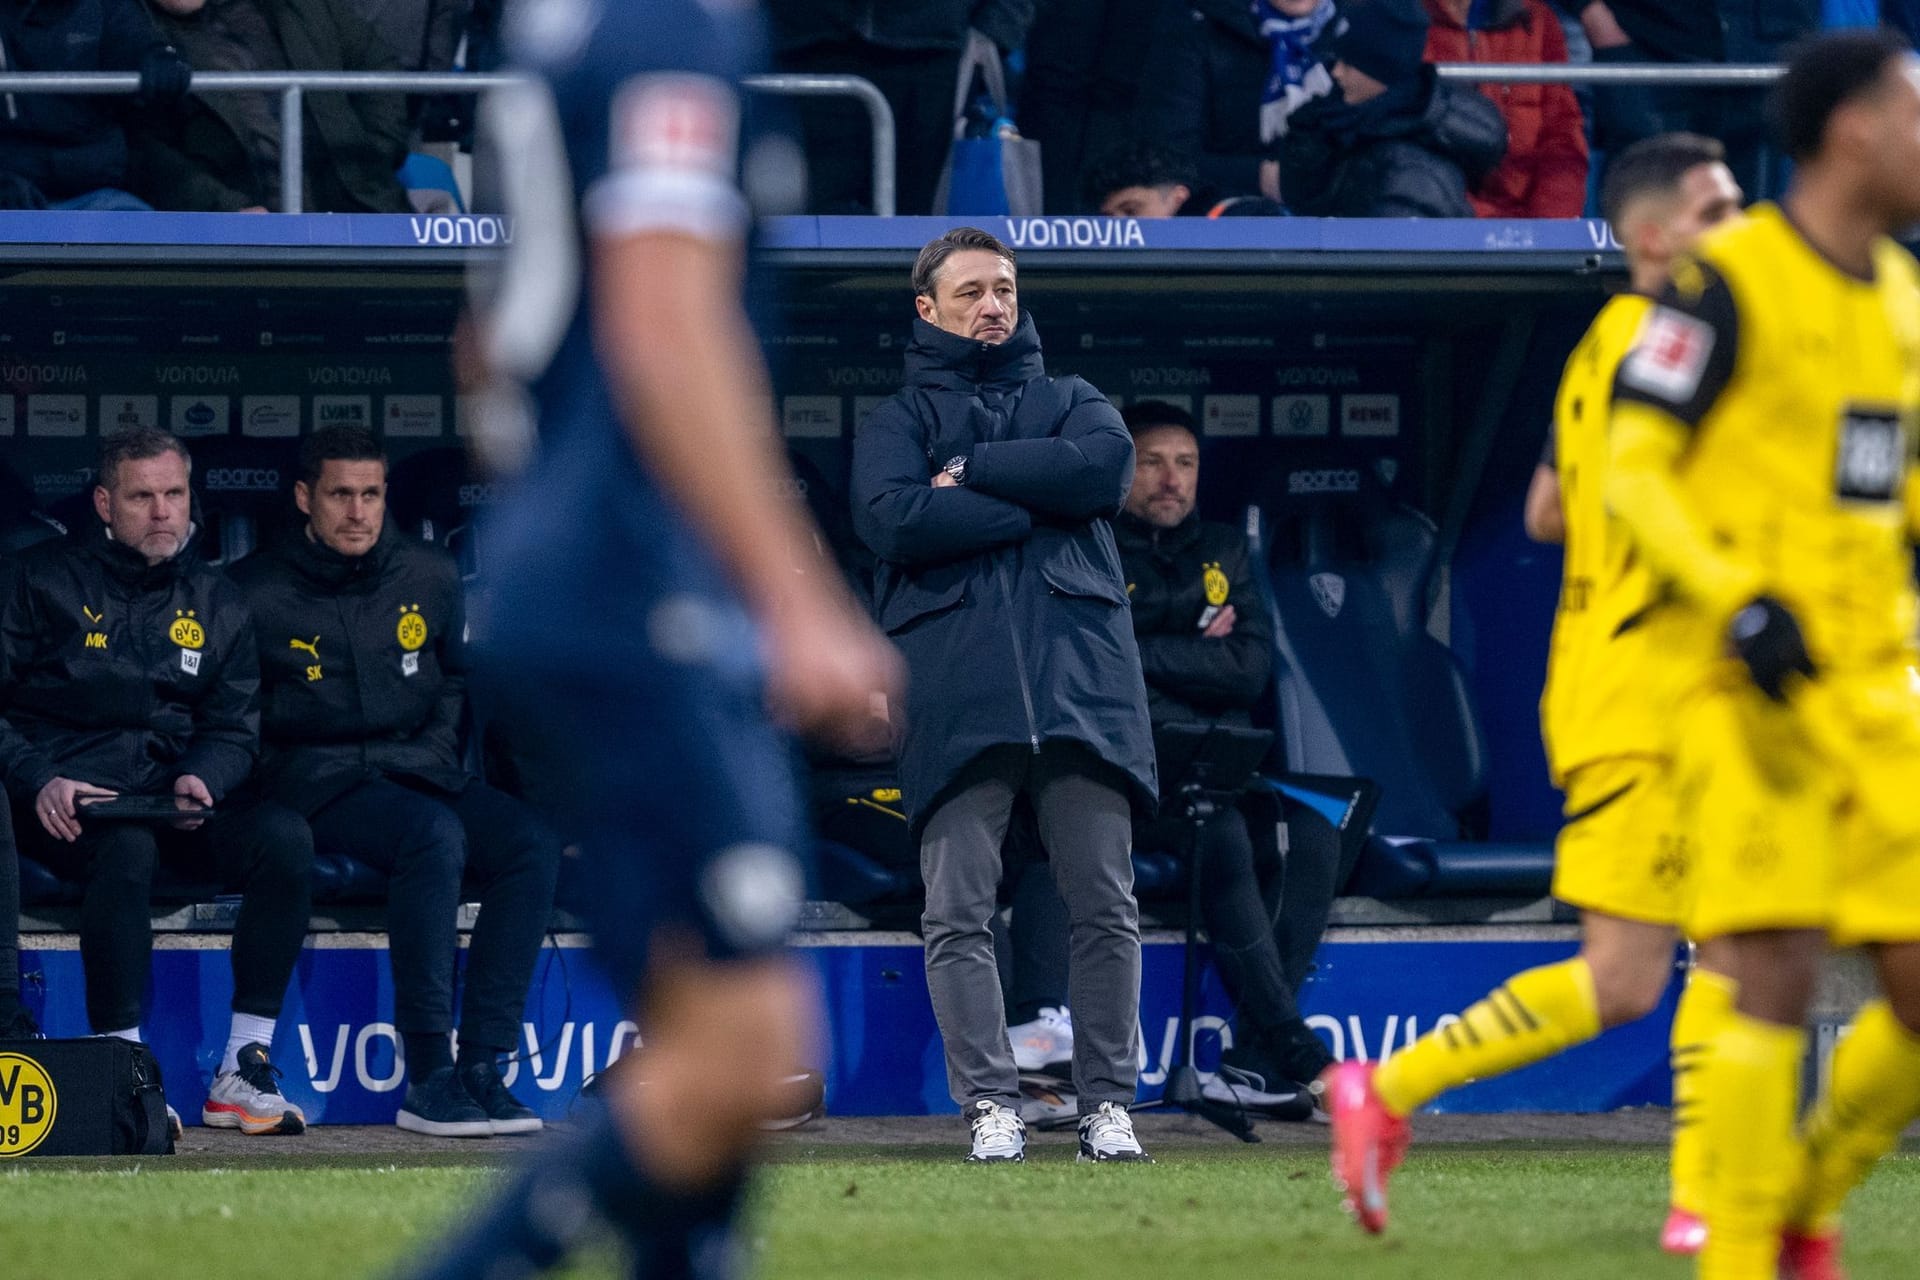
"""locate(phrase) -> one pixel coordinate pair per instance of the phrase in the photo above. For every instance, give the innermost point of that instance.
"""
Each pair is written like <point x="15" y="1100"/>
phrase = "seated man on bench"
<point x="128" y="675"/>
<point x="1206" y="646"/>
<point x="362" y="635"/>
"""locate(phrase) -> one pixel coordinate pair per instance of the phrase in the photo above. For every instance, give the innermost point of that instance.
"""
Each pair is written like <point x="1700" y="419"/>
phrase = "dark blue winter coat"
<point x="1005" y="595"/>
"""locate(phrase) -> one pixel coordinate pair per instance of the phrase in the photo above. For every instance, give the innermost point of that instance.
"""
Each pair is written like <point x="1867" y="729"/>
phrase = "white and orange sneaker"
<point x="1368" y="1142"/>
<point x="247" y="1098"/>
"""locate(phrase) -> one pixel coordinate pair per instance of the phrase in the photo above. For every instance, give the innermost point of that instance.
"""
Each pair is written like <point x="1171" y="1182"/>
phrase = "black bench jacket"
<point x="124" y="674"/>
<point x="362" y="663"/>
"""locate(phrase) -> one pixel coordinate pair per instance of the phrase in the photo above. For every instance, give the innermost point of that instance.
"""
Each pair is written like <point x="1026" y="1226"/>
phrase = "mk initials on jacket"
<point x="124" y="674"/>
<point x="362" y="663"/>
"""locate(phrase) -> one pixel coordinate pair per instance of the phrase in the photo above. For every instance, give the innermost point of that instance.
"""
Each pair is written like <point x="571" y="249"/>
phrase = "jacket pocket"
<point x="1082" y="580"/>
<point x="910" y="604"/>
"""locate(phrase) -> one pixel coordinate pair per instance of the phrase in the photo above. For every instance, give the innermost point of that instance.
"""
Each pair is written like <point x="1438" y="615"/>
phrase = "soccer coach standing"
<point x="985" y="487"/>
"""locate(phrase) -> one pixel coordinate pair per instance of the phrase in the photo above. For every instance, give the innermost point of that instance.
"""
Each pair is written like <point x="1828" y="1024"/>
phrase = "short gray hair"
<point x="136" y="445"/>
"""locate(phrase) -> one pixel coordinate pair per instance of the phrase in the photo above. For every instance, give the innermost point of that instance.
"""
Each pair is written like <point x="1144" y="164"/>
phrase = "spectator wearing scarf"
<point x="1297" y="75"/>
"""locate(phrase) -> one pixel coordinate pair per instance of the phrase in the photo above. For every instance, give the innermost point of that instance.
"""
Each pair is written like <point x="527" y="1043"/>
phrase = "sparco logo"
<point x="243" y="479"/>
<point x="1170" y="376"/>
<point x="1075" y="233"/>
<point x="350" y="375"/>
<point x="476" y="495"/>
<point x="195" y="375"/>
<point x="1338" y="480"/>
<point x="45" y="375"/>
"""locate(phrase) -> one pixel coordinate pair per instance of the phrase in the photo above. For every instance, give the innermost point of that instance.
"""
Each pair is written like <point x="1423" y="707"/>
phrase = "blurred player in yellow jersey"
<point x="1763" y="458"/>
<point x="1619" y="857"/>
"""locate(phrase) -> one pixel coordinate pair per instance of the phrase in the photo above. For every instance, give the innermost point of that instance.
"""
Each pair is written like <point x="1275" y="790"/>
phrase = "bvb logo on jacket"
<point x="187" y="632"/>
<point x="412" y="633"/>
<point x="1214" y="580"/>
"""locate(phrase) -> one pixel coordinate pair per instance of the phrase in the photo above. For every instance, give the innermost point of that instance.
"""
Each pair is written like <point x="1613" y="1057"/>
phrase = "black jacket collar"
<point x="326" y="568"/>
<point x="1131" y="529"/>
<point x="128" y="566"/>
<point x="936" y="358"/>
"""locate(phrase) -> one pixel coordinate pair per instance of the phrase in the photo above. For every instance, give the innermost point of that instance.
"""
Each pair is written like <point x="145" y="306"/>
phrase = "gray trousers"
<point x="1086" y="828"/>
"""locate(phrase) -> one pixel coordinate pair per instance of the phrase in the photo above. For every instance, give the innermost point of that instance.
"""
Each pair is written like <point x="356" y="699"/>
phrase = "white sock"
<point x="247" y="1029"/>
<point x="126" y="1033"/>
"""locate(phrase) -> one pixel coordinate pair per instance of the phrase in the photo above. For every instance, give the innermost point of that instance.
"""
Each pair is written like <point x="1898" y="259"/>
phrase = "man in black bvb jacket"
<point x="127" y="667"/>
<point x="1206" y="646"/>
<point x="362" y="637"/>
<point x="985" y="488"/>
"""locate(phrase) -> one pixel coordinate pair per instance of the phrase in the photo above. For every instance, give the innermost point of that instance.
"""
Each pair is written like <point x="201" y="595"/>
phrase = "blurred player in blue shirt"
<point x="657" y="596"/>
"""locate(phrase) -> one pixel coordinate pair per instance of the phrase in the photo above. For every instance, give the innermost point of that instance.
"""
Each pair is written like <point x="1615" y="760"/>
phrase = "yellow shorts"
<point x="1805" y="816"/>
<point x="1621" y="852"/>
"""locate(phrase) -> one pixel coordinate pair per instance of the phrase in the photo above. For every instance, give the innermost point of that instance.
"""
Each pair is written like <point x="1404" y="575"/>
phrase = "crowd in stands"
<point x="1325" y="107"/>
<point x="1311" y="106"/>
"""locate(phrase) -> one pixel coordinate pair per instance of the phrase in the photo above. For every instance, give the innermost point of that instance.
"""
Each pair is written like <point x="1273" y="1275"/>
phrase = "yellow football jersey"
<point x="1800" y="384"/>
<point x="1596" y="703"/>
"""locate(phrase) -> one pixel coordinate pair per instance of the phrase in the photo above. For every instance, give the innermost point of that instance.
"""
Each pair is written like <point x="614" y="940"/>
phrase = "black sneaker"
<point x="1247" y="1079"/>
<point x="439" y="1107"/>
<point x="505" y="1113"/>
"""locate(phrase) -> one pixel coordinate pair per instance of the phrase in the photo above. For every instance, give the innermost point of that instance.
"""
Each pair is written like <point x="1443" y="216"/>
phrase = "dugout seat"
<point x="1363" y="689"/>
<point x="435" y="495"/>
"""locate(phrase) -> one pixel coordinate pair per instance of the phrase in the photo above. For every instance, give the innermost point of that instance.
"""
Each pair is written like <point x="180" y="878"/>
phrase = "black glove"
<point x="165" y="77"/>
<point x="1767" y="638"/>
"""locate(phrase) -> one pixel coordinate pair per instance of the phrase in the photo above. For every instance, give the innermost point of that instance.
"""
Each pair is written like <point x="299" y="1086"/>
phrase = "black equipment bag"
<point x="99" y="1096"/>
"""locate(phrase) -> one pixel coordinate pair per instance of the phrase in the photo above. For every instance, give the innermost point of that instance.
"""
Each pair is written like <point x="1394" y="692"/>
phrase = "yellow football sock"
<point x="1533" y="1015"/>
<point x="1872" y="1094"/>
<point x="1749" y="1094"/>
<point x="1704" y="1004"/>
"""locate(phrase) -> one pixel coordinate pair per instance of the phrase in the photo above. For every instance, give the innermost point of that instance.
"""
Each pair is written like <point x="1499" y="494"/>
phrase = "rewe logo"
<point x="1329" y="592"/>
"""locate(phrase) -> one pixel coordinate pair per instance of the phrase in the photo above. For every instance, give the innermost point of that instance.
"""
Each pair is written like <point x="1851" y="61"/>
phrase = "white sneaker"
<point x="1107" y="1135"/>
<point x="248" y="1099"/>
<point x="999" y="1135"/>
<point x="175" y="1129"/>
<point x="1047" y="1040"/>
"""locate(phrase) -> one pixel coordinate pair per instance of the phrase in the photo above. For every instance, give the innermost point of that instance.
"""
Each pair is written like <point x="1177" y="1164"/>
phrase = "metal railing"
<point x="1684" y="75"/>
<point x="293" y="86"/>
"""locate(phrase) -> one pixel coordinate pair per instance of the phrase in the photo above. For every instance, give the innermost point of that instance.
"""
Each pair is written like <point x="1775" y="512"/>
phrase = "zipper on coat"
<point x="1019" y="659"/>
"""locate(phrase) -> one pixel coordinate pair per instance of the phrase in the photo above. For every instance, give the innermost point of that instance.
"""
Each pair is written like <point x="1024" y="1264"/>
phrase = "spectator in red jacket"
<point x="1545" y="172"/>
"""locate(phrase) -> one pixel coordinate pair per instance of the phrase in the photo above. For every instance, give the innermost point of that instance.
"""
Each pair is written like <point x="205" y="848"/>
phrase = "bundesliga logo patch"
<point x="1670" y="357"/>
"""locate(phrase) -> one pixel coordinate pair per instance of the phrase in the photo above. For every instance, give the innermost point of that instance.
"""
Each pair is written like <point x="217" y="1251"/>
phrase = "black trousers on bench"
<point x="9" y="922"/>
<point x="262" y="850"/>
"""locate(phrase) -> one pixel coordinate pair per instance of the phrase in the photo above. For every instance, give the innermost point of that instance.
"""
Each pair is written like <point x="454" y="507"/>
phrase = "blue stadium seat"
<point x="435" y="495"/>
<point x="1365" y="690"/>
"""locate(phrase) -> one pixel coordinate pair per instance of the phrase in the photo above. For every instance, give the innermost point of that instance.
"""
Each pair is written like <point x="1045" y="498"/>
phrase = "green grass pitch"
<point x="1495" y="1212"/>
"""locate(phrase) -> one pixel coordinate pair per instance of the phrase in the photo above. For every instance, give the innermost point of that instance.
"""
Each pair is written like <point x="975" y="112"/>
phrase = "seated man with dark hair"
<point x="362" y="636"/>
<point x="127" y="668"/>
<point x="1206" y="647"/>
<point x="1149" y="180"/>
